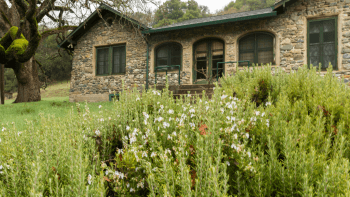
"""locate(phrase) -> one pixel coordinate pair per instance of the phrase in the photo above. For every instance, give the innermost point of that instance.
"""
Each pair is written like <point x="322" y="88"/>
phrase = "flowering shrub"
<point x="293" y="143"/>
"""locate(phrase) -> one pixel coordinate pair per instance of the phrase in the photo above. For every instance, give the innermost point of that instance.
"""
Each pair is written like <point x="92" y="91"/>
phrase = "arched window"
<point x="207" y="53"/>
<point x="168" y="54"/>
<point x="258" y="48"/>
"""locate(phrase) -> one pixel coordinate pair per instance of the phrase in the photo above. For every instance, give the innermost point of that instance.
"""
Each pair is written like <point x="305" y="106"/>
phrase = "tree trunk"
<point x="28" y="82"/>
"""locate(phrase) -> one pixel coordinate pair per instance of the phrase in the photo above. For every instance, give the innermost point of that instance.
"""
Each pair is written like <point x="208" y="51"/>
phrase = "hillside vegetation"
<point x="261" y="134"/>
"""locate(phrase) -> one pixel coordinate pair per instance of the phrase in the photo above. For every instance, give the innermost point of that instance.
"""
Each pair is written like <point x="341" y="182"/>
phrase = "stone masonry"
<point x="289" y="29"/>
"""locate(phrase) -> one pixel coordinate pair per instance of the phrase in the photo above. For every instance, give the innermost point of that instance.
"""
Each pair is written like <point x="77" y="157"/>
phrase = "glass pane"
<point x="315" y="61"/>
<point x="315" y="27"/>
<point x="329" y="25"/>
<point x="329" y="36"/>
<point x="315" y="32"/>
<point x="315" y="50"/>
<point x="116" y="60"/>
<point x="217" y="46"/>
<point x="328" y="59"/>
<point x="220" y="68"/>
<point x="162" y="62"/>
<point x="265" y="57"/>
<point x="202" y="47"/>
<point x="201" y="69"/>
<point x="123" y="56"/>
<point x="264" y="41"/>
<point x="201" y="56"/>
<point x="246" y="56"/>
<point x="102" y="61"/>
<point x="162" y="52"/>
<point x="175" y="49"/>
<point x="175" y="61"/>
<point x="328" y="49"/>
<point x="247" y="43"/>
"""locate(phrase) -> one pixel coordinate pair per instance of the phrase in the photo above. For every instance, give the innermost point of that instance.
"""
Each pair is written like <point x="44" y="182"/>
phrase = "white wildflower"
<point x="165" y="124"/>
<point x="267" y="103"/>
<point x="257" y="113"/>
<point x="137" y="99"/>
<point x="153" y="154"/>
<point x="228" y="163"/>
<point x="100" y="106"/>
<point x="192" y="124"/>
<point x="247" y="135"/>
<point x="174" y="133"/>
<point x="3" y="129"/>
<point x="192" y="111"/>
<point x="171" y="111"/>
<point x="146" y="115"/>
<point x="97" y="132"/>
<point x="249" y="154"/>
<point x="144" y="154"/>
<point x="120" y="151"/>
<point x="234" y="146"/>
<point x="127" y="128"/>
<point x="132" y="190"/>
<point x="132" y="139"/>
<point x="128" y="185"/>
<point x="223" y="97"/>
<point x="169" y="137"/>
<point x="89" y="179"/>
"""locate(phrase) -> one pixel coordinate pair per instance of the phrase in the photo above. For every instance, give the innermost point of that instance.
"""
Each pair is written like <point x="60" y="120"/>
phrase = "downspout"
<point x="147" y="65"/>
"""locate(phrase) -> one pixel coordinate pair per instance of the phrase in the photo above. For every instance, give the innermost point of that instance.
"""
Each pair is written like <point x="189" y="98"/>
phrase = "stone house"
<point x="116" y="49"/>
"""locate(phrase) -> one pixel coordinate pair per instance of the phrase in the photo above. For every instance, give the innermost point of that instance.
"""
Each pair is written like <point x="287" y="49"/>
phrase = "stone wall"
<point x="289" y="29"/>
<point x="85" y="85"/>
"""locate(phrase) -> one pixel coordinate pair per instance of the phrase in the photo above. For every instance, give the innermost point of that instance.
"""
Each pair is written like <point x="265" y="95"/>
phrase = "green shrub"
<point x="261" y="134"/>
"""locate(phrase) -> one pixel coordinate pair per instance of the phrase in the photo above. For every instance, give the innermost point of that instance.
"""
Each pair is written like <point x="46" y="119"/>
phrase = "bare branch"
<point x="45" y="8"/>
<point x="58" y="30"/>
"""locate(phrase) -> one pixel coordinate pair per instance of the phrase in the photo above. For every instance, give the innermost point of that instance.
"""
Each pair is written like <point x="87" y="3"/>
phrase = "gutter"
<point x="149" y="31"/>
<point x="147" y="66"/>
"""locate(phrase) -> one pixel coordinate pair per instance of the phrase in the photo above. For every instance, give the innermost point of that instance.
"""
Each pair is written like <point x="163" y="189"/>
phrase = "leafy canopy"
<point x="174" y="11"/>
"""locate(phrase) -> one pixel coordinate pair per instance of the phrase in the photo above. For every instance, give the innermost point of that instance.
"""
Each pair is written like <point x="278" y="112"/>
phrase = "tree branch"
<point x="44" y="9"/>
<point x="58" y="30"/>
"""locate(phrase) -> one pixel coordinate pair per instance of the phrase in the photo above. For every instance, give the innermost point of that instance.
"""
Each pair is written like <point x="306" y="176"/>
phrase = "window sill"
<point x="110" y="74"/>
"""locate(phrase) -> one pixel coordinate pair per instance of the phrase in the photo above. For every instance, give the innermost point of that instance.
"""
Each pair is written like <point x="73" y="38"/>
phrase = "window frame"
<point x="335" y="67"/>
<point x="110" y="59"/>
<point x="209" y="59"/>
<point x="256" y="49"/>
<point x="168" y="58"/>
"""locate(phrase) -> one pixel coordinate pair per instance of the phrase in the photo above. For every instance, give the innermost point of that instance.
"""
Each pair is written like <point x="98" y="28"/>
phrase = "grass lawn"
<point x="55" y="102"/>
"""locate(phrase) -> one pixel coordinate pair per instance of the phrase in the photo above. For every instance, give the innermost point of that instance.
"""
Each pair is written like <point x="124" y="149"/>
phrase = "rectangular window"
<point x="111" y="60"/>
<point x="322" y="43"/>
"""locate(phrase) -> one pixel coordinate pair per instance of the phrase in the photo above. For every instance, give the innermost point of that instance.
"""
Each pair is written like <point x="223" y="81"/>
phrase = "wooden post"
<point x="2" y="83"/>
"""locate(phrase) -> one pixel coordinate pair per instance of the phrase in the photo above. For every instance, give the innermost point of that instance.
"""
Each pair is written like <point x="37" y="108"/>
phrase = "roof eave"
<point x="149" y="31"/>
<point x="65" y="44"/>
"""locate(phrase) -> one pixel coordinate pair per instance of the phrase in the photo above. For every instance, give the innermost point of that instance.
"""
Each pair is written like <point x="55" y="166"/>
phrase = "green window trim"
<point x="320" y="54"/>
<point x="169" y="56"/>
<point x="255" y="49"/>
<point x="113" y="96"/>
<point x="209" y="60"/>
<point x="111" y="65"/>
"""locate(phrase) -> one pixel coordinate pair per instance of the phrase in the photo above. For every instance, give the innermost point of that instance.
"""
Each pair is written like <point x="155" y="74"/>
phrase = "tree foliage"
<point x="21" y="36"/>
<point x="174" y="11"/>
<point x="246" y="5"/>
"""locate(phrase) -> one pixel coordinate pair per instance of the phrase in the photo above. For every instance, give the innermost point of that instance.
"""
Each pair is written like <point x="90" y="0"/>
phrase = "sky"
<point x="213" y="5"/>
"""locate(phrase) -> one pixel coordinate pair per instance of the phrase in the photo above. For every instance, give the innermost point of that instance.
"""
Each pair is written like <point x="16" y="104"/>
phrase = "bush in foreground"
<point x="260" y="135"/>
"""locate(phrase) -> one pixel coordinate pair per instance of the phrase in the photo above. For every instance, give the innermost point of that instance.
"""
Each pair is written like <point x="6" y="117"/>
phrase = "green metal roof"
<point x="84" y="26"/>
<point x="215" y="20"/>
